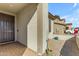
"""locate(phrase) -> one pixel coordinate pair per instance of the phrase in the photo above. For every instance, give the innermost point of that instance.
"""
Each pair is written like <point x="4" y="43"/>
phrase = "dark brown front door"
<point x="6" y="28"/>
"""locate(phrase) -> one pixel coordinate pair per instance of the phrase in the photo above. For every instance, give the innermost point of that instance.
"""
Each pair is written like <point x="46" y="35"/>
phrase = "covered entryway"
<point x="30" y="28"/>
<point x="6" y="28"/>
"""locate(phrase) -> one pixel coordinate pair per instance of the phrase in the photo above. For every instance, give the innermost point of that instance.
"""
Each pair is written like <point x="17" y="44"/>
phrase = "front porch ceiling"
<point x="12" y="7"/>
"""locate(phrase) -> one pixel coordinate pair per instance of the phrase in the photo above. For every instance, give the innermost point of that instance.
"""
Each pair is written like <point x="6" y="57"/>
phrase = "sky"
<point x="68" y="11"/>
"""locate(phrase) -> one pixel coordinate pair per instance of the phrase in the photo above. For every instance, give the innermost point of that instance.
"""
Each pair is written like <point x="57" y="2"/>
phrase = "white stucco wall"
<point x="23" y="18"/>
<point x="45" y="26"/>
<point x="32" y="33"/>
<point x="38" y="29"/>
<point x="42" y="27"/>
<point x="36" y="33"/>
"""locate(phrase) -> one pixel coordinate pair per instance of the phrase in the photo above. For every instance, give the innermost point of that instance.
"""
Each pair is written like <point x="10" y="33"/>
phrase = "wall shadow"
<point x="70" y="48"/>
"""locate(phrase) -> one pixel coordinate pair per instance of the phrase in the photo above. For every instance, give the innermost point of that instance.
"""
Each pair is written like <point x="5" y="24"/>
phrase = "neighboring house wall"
<point x="56" y="25"/>
<point x="59" y="21"/>
<point x="63" y="22"/>
<point x="56" y="20"/>
<point x="58" y="29"/>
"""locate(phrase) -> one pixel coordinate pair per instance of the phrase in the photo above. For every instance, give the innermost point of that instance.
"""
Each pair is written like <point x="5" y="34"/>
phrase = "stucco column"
<point x="42" y="27"/>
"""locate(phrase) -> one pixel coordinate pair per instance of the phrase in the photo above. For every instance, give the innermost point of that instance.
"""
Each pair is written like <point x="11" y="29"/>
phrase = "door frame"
<point x="15" y="22"/>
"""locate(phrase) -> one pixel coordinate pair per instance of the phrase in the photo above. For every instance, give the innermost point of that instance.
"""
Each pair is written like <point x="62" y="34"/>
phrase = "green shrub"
<point x="56" y="38"/>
